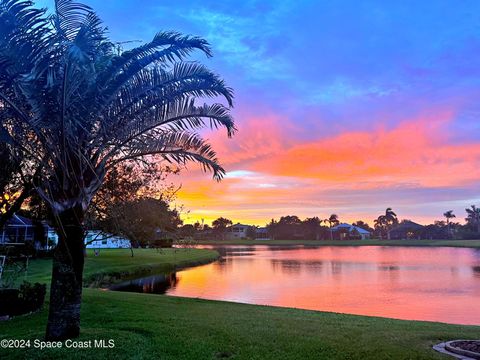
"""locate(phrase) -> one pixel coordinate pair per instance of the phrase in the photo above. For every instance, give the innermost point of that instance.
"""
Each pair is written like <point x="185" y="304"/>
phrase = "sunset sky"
<point x="343" y="107"/>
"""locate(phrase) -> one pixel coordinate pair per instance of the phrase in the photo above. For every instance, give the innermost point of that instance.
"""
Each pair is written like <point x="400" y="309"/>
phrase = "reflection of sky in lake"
<point x="437" y="284"/>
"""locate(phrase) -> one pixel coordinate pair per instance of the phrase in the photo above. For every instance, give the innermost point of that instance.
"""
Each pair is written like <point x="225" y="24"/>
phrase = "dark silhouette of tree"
<point x="473" y="217"/>
<point x="252" y="232"/>
<point x="390" y="220"/>
<point x="145" y="221"/>
<point x="363" y="225"/>
<point x="220" y="226"/>
<point x="15" y="181"/>
<point x="332" y="221"/>
<point x="380" y="225"/>
<point x="272" y="229"/>
<point x="312" y="227"/>
<point x="78" y="106"/>
<point x="449" y="215"/>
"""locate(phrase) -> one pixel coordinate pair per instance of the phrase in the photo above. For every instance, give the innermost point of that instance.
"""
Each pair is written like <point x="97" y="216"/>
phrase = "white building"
<point x="237" y="231"/>
<point x="96" y="239"/>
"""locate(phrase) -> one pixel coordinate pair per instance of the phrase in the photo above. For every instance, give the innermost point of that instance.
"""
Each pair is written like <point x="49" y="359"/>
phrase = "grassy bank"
<point x="448" y="243"/>
<point x="113" y="265"/>
<point x="161" y="327"/>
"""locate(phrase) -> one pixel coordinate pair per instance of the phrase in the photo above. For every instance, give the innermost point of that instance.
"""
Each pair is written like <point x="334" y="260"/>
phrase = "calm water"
<point x="436" y="284"/>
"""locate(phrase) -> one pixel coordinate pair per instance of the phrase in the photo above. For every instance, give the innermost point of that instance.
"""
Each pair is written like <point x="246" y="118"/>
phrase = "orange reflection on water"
<point x="436" y="284"/>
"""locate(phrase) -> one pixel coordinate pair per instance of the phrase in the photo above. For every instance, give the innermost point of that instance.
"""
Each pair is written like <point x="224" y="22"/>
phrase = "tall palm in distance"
<point x="386" y="222"/>
<point x="332" y="221"/>
<point x="77" y="107"/>
<point x="379" y="224"/>
<point x="390" y="220"/>
<point x="473" y="217"/>
<point x="449" y="215"/>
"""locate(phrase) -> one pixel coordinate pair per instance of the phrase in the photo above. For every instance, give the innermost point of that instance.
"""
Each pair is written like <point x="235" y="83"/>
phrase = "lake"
<point x="412" y="283"/>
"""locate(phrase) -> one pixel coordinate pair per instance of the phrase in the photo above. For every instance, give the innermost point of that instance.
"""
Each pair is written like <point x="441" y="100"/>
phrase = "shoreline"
<point x="105" y="280"/>
<point x="474" y="244"/>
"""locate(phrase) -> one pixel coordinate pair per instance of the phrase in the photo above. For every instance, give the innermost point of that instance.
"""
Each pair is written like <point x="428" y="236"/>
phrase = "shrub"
<point x="28" y="298"/>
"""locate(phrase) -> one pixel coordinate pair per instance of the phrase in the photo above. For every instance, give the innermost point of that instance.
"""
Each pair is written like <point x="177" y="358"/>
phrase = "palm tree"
<point x="390" y="219"/>
<point x="332" y="221"/>
<point x="386" y="222"/>
<point x="313" y="225"/>
<point x="473" y="216"/>
<point x="78" y="106"/>
<point x="379" y="224"/>
<point x="449" y="215"/>
<point x="220" y="226"/>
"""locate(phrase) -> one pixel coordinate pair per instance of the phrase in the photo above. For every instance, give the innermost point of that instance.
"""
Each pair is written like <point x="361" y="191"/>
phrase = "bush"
<point x="28" y="298"/>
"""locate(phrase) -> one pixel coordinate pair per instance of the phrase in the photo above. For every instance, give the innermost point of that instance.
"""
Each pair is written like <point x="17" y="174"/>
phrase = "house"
<point x="96" y="239"/>
<point x="20" y="230"/>
<point x="345" y="231"/>
<point x="406" y="229"/>
<point x="237" y="231"/>
<point x="261" y="233"/>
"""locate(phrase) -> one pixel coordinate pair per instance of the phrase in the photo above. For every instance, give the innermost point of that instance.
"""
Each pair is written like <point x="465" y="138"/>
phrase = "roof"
<point x="17" y="220"/>
<point x="406" y="225"/>
<point x="240" y="225"/>
<point x="350" y="228"/>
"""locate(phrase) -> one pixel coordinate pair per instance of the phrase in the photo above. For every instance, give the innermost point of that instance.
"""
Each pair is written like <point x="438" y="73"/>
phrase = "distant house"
<point x="346" y="231"/>
<point x="406" y="229"/>
<point x="237" y="231"/>
<point x="96" y="239"/>
<point x="261" y="233"/>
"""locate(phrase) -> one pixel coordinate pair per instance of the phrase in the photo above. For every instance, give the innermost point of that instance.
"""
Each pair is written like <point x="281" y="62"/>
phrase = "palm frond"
<point x="69" y="18"/>
<point x="176" y="147"/>
<point x="166" y="47"/>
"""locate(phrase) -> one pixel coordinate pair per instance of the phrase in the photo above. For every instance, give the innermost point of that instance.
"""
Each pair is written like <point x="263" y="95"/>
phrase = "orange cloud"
<point x="356" y="174"/>
<point x="258" y="137"/>
<point x="415" y="152"/>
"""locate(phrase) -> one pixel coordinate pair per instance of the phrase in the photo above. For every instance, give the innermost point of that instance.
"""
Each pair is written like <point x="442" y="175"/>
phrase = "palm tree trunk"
<point x="67" y="277"/>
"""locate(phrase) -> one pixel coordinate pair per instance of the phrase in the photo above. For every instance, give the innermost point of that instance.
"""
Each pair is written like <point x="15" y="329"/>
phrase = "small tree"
<point x="312" y="227"/>
<point x="385" y="223"/>
<point x="332" y="221"/>
<point x="252" y="232"/>
<point x="220" y="226"/>
<point x="143" y="220"/>
<point x="449" y="215"/>
<point x="473" y="218"/>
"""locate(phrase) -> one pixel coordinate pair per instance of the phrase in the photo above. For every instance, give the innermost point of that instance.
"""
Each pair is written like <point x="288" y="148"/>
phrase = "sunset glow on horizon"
<point x="342" y="107"/>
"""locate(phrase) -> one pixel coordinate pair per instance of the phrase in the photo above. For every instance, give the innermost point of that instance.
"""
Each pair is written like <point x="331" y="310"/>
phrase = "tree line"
<point x="291" y="227"/>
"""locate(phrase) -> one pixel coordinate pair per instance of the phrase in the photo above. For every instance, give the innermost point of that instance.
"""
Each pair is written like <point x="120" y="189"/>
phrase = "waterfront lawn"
<point x="116" y="264"/>
<point x="413" y="242"/>
<point x="160" y="327"/>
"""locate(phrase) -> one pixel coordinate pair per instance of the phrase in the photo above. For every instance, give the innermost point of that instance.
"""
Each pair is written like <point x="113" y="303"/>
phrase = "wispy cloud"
<point x="342" y="90"/>
<point x="244" y="41"/>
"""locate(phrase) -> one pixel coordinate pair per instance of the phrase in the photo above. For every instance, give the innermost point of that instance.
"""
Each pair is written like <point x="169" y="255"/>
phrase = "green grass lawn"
<point x="116" y="264"/>
<point x="161" y="327"/>
<point x="448" y="243"/>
